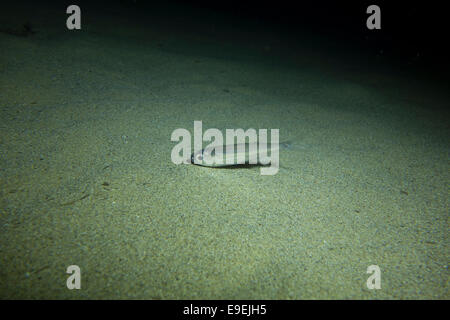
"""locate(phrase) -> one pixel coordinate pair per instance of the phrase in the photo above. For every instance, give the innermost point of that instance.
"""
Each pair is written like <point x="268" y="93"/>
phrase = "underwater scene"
<point x="107" y="113"/>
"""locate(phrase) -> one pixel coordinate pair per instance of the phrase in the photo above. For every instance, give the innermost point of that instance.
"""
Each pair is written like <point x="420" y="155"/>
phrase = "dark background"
<point x="413" y="33"/>
<point x="405" y="25"/>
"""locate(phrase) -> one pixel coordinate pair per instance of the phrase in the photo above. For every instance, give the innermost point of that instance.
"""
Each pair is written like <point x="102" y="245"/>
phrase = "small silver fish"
<point x="239" y="155"/>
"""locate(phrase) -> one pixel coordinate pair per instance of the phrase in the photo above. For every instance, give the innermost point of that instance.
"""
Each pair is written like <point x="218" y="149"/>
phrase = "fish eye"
<point x="199" y="157"/>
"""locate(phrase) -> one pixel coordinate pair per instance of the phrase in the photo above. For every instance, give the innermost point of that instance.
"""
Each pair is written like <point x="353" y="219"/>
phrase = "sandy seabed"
<point x="86" y="175"/>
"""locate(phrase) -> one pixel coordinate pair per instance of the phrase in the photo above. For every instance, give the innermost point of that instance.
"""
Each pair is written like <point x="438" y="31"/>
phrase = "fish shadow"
<point x="241" y="166"/>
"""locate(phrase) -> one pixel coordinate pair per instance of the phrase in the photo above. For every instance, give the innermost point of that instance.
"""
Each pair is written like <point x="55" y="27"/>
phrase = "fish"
<point x="239" y="155"/>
